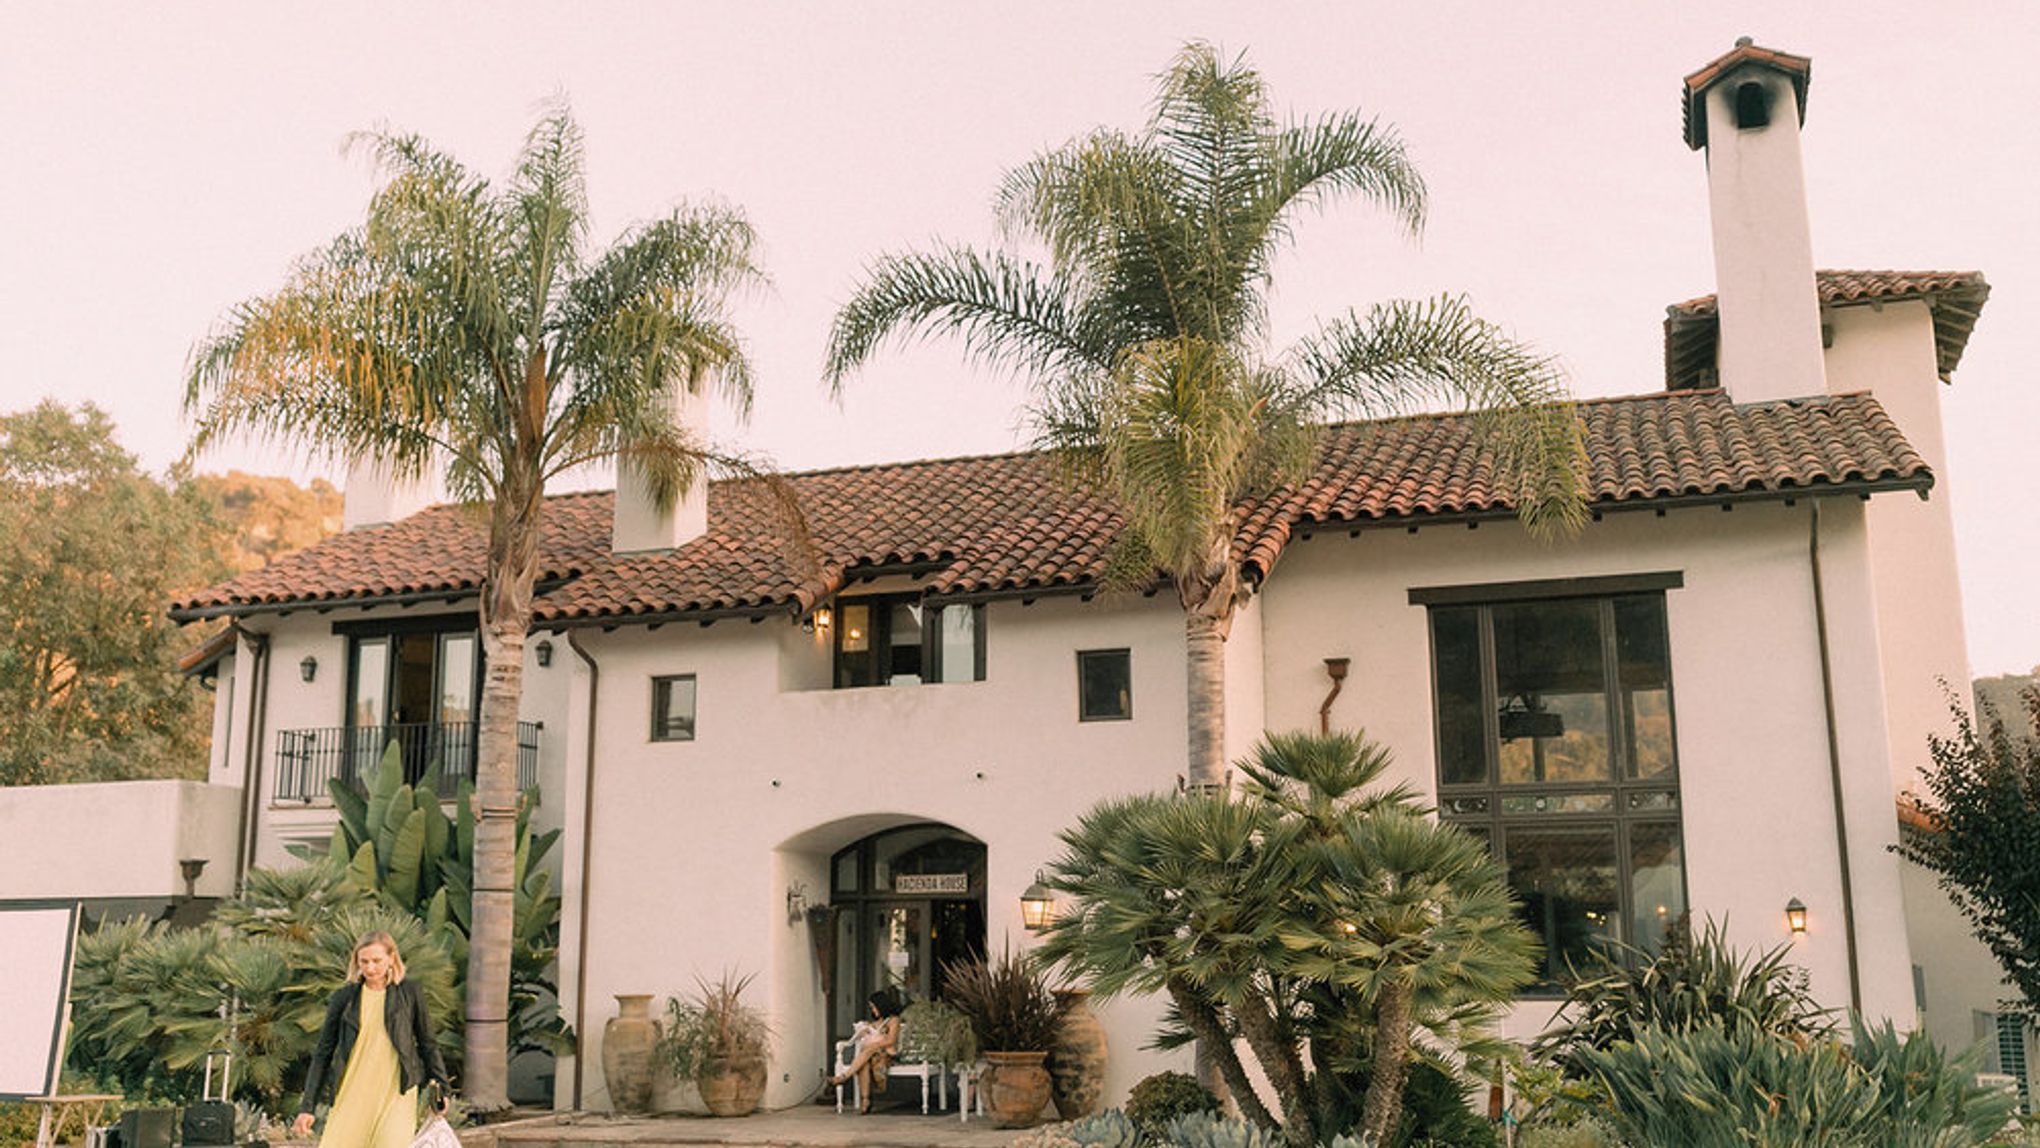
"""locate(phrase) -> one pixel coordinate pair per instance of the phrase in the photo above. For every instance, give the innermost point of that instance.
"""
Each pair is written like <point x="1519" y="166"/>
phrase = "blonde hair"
<point x="389" y="945"/>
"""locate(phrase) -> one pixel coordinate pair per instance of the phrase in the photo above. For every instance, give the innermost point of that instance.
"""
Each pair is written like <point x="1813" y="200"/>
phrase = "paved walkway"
<point x="807" y="1126"/>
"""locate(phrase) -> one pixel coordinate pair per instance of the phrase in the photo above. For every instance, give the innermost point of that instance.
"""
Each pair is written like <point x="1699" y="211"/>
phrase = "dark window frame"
<point x="1085" y="656"/>
<point x="662" y="695"/>
<point x="1481" y="807"/>
<point x="879" y="641"/>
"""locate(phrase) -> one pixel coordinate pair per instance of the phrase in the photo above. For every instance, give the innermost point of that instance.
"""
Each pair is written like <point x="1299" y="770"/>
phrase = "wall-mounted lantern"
<point x="543" y="651"/>
<point x="1037" y="904"/>
<point x="309" y="668"/>
<point x="1795" y="916"/>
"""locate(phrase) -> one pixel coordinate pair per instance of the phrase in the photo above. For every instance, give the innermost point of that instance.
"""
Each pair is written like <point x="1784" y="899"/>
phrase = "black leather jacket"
<point x="410" y="1031"/>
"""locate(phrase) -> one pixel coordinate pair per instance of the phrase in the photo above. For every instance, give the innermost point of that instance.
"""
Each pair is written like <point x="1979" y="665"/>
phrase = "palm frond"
<point x="1404" y="354"/>
<point x="1006" y="313"/>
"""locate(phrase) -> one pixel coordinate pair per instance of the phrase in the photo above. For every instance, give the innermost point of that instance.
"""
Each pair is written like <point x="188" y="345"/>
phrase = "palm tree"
<point x="1329" y="923"/>
<point x="1146" y="332"/>
<point x="470" y="327"/>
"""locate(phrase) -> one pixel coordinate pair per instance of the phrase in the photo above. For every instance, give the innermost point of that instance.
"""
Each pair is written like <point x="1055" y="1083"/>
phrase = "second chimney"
<point x="1745" y="109"/>
<point x="640" y="524"/>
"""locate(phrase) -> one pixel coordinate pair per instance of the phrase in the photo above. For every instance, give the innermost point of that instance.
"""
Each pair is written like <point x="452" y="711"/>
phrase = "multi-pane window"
<point x="905" y="641"/>
<point x="673" y="708"/>
<point x="1104" y="685"/>
<point x="1555" y="745"/>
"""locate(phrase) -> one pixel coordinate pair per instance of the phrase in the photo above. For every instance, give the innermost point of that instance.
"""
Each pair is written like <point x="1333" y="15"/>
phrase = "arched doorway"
<point x="908" y="901"/>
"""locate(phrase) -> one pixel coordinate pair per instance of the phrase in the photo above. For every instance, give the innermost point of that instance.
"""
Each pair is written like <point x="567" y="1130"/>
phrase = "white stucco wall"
<point x="1961" y="977"/>
<point x="696" y="843"/>
<point x="1889" y="352"/>
<point x="116" y="839"/>
<point x="1758" y="807"/>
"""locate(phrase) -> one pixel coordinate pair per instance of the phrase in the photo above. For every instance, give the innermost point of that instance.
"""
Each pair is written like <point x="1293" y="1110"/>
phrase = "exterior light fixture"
<point x="824" y="617"/>
<point x="309" y="668"/>
<point x="1795" y="916"/>
<point x="1037" y="904"/>
<point x="544" y="652"/>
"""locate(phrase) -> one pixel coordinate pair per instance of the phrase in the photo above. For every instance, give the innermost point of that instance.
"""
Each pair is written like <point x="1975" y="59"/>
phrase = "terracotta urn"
<point x="627" y="1042"/>
<point x="1076" y="1065"/>
<point x="1016" y="1087"/>
<point x="732" y="1087"/>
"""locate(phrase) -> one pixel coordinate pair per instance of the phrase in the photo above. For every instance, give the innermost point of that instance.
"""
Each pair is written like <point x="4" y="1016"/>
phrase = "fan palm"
<point x="470" y="327"/>
<point x="1146" y="332"/>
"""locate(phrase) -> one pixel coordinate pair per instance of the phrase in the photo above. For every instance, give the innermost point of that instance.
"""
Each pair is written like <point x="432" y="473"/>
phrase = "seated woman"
<point x="872" y="1044"/>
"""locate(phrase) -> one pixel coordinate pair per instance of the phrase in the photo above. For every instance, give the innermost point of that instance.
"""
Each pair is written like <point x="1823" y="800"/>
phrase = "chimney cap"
<point x="1798" y="69"/>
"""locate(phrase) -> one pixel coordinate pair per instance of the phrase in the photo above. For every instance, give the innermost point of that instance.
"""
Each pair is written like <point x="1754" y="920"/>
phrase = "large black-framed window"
<point x="1556" y="745"/>
<point x="416" y="682"/>
<point x="1105" y="685"/>
<point x="905" y="640"/>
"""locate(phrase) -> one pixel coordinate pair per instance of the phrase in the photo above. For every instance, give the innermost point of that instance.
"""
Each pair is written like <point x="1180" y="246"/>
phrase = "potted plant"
<point x="1014" y="1019"/>
<point x="938" y="1033"/>
<point x="716" y="1040"/>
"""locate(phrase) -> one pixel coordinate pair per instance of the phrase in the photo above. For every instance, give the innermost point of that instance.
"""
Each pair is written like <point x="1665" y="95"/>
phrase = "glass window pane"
<point x="371" y="678"/>
<point x="673" y="708"/>
<point x="1644" y="671"/>
<point x="1462" y="726"/>
<point x="457" y="678"/>
<point x="1657" y="883"/>
<point x="845" y="879"/>
<point x="1567" y="879"/>
<point x="1104" y="685"/>
<point x="1551" y="691"/>
<point x="903" y="664"/>
<point x="956" y="628"/>
<point x="854" y="663"/>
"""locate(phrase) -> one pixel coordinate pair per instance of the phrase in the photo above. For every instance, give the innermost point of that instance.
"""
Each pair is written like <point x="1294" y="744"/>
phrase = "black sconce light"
<point x="1037" y="904"/>
<point x="309" y="668"/>
<point x="1795" y="916"/>
<point x="544" y="653"/>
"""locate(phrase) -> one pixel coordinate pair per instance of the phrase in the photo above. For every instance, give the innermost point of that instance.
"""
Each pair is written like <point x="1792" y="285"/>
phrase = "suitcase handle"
<point x="226" y="1065"/>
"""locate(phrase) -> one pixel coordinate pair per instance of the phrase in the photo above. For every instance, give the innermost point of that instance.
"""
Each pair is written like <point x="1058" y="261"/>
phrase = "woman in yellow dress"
<point x="377" y="1043"/>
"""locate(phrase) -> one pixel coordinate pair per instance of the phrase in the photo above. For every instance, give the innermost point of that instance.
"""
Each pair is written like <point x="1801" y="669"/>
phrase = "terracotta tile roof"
<point x="1687" y="445"/>
<point x="1006" y="524"/>
<point x="1955" y="298"/>
<point x="1799" y="69"/>
<point x="436" y="552"/>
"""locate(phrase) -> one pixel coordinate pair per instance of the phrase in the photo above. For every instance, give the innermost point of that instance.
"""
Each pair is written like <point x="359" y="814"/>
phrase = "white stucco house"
<point x="1708" y="701"/>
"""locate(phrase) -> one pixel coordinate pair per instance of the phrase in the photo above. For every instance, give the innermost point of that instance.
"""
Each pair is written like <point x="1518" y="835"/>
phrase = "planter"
<point x="1016" y="1087"/>
<point x="1076" y="1066"/>
<point x="732" y="1087"/>
<point x="627" y="1042"/>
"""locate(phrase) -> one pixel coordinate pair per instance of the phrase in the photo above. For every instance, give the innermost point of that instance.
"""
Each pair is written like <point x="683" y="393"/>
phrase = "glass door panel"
<point x="369" y="683"/>
<point x="898" y="948"/>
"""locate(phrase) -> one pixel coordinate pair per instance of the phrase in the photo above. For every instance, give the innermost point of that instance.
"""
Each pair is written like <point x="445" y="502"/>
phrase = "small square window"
<point x="673" y="708"/>
<point x="1104" y="685"/>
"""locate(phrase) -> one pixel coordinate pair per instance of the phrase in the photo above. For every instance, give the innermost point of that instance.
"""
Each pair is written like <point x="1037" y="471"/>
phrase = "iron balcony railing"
<point x="306" y="759"/>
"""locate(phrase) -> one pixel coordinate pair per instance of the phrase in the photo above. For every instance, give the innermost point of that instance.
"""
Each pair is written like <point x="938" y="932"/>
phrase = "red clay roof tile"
<point x="1008" y="524"/>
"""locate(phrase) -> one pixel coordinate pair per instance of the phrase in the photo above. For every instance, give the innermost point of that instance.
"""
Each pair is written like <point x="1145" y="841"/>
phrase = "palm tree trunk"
<point x="1391" y="1067"/>
<point x="506" y="617"/>
<point x="1204" y="635"/>
<point x="1202" y="1020"/>
<point x="1283" y="1063"/>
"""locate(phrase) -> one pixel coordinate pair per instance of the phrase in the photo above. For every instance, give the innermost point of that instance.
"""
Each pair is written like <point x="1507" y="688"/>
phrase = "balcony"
<point x="307" y="759"/>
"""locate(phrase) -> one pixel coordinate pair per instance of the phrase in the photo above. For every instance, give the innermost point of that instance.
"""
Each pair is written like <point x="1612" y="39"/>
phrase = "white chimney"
<point x="1746" y="109"/>
<point x="639" y="523"/>
<point x="373" y="498"/>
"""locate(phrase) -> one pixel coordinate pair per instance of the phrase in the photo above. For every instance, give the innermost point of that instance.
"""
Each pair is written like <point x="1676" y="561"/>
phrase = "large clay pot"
<point x="732" y="1087"/>
<point x="1076" y="1065"/>
<point x="1016" y="1087"/>
<point x="627" y="1042"/>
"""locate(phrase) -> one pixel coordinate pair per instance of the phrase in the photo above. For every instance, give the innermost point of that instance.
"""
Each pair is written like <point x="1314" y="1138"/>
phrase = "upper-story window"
<point x="1556" y="746"/>
<point x="906" y="641"/>
<point x="418" y="685"/>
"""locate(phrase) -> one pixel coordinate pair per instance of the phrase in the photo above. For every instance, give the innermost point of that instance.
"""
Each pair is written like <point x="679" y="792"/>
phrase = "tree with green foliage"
<point x="1147" y="335"/>
<point x="1983" y="800"/>
<point x="1334" y="927"/>
<point x="92" y="550"/>
<point x="470" y="326"/>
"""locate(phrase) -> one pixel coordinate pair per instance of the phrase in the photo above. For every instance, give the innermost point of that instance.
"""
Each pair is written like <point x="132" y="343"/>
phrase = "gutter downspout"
<point x="1335" y="669"/>
<point x="251" y="766"/>
<point x="1827" y="693"/>
<point x="587" y="853"/>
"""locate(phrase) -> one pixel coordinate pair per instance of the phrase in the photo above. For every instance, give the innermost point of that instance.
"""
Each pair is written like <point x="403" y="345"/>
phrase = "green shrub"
<point x="1930" y="1099"/>
<point x="1584" y="1133"/>
<point x="1435" y="1109"/>
<point x="1691" y="982"/>
<point x="1164" y="1096"/>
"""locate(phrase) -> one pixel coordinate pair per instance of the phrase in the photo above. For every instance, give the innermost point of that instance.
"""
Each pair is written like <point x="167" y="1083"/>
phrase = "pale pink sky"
<point x="164" y="161"/>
